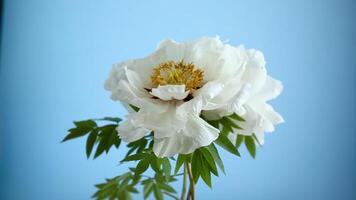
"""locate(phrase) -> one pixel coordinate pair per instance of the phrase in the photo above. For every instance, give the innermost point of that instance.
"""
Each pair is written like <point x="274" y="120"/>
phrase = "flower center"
<point x="177" y="73"/>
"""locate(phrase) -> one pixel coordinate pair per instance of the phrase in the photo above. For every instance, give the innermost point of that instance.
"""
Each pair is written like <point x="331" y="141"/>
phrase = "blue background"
<point x="56" y="55"/>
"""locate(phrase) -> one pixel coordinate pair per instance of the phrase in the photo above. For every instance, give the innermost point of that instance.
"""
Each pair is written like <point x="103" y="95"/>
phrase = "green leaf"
<point x="117" y="142"/>
<point x="105" y="137"/>
<point x="91" y="141"/>
<point x="196" y="165"/>
<point x="214" y="152"/>
<point x="205" y="172"/>
<point x="208" y="158"/>
<point x="113" y="137"/>
<point x="166" y="187"/>
<point x="227" y="128"/>
<point x="250" y="145"/>
<point x="256" y="139"/>
<point x="136" y="109"/>
<point x="142" y="145"/>
<point x="138" y="145"/>
<point x="119" y="187"/>
<point x="237" y="117"/>
<point x="134" y="157"/>
<point x="225" y="143"/>
<point x="77" y="132"/>
<point x="142" y="165"/>
<point x="132" y="189"/>
<point x="231" y="123"/>
<point x="166" y="165"/>
<point x="180" y="160"/>
<point x="112" y="119"/>
<point x="147" y="189"/>
<point x="158" y="193"/>
<point x="85" y="123"/>
<point x="239" y="140"/>
<point x="214" y="123"/>
<point x="155" y="163"/>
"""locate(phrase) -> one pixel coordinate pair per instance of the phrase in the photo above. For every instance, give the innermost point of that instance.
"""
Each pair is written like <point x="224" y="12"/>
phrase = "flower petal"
<point x="271" y="89"/>
<point x="170" y="92"/>
<point x="197" y="133"/>
<point x="129" y="131"/>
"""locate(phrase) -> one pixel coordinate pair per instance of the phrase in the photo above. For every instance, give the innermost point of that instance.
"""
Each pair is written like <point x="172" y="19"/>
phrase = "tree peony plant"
<point x="182" y="101"/>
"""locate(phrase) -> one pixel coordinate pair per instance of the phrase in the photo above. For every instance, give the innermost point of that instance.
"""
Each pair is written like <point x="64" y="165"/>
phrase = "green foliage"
<point x="228" y="125"/>
<point x="159" y="186"/>
<point x="250" y="145"/>
<point x="203" y="162"/>
<point x="180" y="161"/>
<point x="104" y="136"/>
<point x="225" y="143"/>
<point x="215" y="154"/>
<point x="120" y="187"/>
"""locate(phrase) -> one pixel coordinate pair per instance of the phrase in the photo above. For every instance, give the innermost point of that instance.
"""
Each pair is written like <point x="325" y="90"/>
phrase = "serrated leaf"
<point x="91" y="141"/>
<point x="239" y="140"/>
<point x="250" y="145"/>
<point x="225" y="143"/>
<point x="214" y="152"/>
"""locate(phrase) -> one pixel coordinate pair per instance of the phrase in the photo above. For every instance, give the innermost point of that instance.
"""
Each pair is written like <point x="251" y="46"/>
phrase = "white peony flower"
<point x="180" y="82"/>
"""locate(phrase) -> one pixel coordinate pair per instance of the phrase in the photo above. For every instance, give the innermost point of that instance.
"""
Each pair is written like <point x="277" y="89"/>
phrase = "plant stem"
<point x="191" y="194"/>
<point x="184" y="182"/>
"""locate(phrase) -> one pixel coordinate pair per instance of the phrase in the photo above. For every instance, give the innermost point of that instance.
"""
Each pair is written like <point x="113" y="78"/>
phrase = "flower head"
<point x="181" y="82"/>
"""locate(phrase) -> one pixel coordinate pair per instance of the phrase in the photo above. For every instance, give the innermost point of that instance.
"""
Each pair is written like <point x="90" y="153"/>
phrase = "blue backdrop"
<point x="56" y="55"/>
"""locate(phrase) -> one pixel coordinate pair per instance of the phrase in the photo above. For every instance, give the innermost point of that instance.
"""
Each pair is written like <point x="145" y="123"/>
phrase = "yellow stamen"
<point x="177" y="73"/>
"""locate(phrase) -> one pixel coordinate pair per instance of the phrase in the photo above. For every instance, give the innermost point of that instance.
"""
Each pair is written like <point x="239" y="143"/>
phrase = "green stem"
<point x="184" y="189"/>
<point x="191" y="194"/>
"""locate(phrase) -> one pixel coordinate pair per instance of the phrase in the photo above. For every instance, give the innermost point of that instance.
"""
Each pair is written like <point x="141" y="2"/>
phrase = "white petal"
<point x="271" y="89"/>
<point x="164" y="124"/>
<point x="202" y="99"/>
<point x="170" y="92"/>
<point x="267" y="112"/>
<point x="240" y="99"/>
<point x="196" y="134"/>
<point x="255" y="72"/>
<point x="130" y="132"/>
